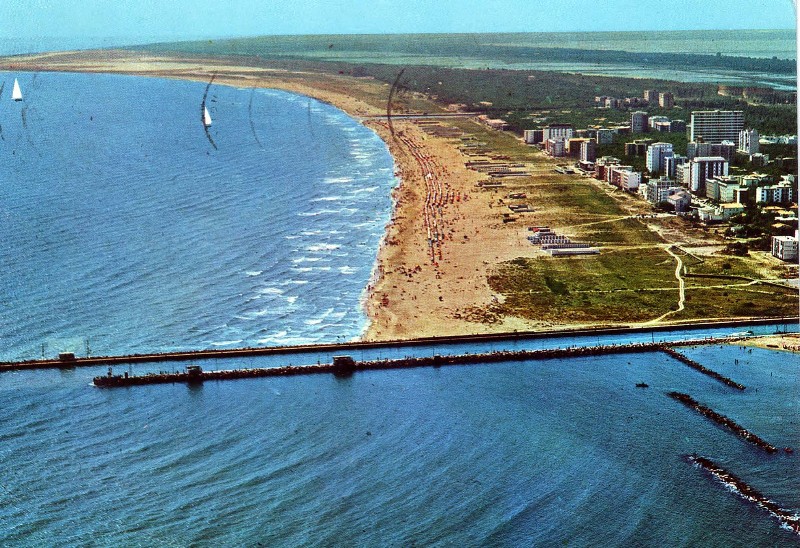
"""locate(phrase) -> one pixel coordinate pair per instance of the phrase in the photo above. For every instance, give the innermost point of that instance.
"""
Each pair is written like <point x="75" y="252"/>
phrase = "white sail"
<point x="16" y="94"/>
<point x="206" y="117"/>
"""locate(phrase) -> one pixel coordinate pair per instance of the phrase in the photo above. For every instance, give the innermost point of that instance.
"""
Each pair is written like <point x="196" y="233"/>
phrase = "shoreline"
<point x="443" y="238"/>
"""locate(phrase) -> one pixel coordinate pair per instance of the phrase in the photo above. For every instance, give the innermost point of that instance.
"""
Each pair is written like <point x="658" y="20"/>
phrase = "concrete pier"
<point x="343" y="348"/>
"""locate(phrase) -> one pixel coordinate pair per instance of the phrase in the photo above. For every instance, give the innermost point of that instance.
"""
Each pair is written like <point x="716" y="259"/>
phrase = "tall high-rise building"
<point x="638" y="122"/>
<point x="666" y="100"/>
<point x="748" y="141"/>
<point x="655" y="156"/>
<point x="715" y="126"/>
<point x="651" y="96"/>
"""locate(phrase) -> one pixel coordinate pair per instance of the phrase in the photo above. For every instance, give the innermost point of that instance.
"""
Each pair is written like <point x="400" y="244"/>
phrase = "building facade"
<point x="588" y="151"/>
<point x="558" y="131"/>
<point x="655" y="156"/>
<point x="666" y="100"/>
<point x="639" y="122"/>
<point x="703" y="168"/>
<point x="715" y="126"/>
<point x="748" y="141"/>
<point x="785" y="248"/>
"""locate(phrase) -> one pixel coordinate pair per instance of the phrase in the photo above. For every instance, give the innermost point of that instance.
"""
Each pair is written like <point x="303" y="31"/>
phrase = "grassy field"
<point x="621" y="286"/>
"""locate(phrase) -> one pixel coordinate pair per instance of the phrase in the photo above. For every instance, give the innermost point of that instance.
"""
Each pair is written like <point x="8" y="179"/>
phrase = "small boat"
<point x="642" y="385"/>
<point x="206" y="117"/>
<point x="16" y="94"/>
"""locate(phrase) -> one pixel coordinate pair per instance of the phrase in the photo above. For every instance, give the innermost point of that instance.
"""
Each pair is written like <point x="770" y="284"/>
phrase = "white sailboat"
<point x="16" y="94"/>
<point x="206" y="117"/>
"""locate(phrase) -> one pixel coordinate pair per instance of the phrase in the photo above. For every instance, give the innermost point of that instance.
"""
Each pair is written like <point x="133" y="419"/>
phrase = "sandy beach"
<point x="420" y="288"/>
<point x="788" y="342"/>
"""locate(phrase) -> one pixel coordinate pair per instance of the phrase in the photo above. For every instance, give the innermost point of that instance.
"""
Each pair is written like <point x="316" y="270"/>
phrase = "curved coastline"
<point x="408" y="294"/>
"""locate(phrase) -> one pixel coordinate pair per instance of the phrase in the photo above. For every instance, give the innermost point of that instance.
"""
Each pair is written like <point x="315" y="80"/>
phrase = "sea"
<point x="126" y="227"/>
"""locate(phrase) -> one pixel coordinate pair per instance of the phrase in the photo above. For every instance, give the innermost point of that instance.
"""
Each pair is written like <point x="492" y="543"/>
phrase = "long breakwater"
<point x="722" y="420"/>
<point x="701" y="368"/>
<point x="788" y="519"/>
<point x="344" y="365"/>
<point x="210" y="354"/>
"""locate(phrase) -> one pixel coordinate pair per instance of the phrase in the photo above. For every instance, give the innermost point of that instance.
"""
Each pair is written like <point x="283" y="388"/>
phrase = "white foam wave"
<point x="317" y="213"/>
<point x="323" y="247"/>
<point x="226" y="343"/>
<point x="270" y="291"/>
<point x="252" y="273"/>
<point x="365" y="189"/>
<point x="306" y="260"/>
<point x="328" y="199"/>
<point x="319" y="319"/>
<point x="337" y="180"/>
<point x="347" y="270"/>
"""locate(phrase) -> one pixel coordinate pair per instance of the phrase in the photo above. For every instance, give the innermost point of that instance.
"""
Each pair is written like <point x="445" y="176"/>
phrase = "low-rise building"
<point x="661" y="126"/>
<point x="603" y="165"/>
<point x="780" y="193"/>
<point x="624" y="177"/>
<point x="653" y="120"/>
<point x="658" y="190"/>
<point x="555" y="147"/>
<point x="785" y="248"/>
<point x="533" y="136"/>
<point x="680" y="200"/>
<point x="558" y="131"/>
<point x="724" y="188"/>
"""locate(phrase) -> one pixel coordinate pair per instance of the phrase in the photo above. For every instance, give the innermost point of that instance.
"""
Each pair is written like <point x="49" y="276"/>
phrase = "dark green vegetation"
<point x="631" y="285"/>
<point x="461" y="49"/>
<point x="515" y="95"/>
<point x="758" y="226"/>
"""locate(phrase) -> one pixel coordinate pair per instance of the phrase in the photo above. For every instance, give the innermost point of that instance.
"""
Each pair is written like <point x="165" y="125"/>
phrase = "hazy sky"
<point x="220" y="18"/>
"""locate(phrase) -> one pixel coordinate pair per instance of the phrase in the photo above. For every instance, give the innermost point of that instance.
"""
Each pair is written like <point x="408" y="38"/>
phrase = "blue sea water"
<point x="123" y="226"/>
<point x="124" y="229"/>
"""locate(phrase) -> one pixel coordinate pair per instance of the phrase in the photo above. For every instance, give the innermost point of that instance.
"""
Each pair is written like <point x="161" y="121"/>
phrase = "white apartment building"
<point x="748" y="141"/>
<point x="715" y="126"/>
<point x="703" y="168"/>
<point x="655" y="156"/>
<point x="784" y="247"/>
